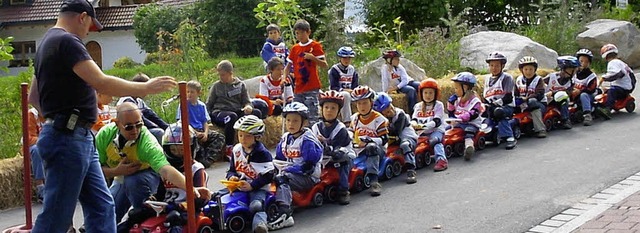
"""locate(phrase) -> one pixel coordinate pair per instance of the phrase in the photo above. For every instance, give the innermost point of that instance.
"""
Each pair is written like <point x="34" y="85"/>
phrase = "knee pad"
<point x="470" y="132"/>
<point x="256" y="206"/>
<point x="533" y="104"/>
<point x="281" y="179"/>
<point x="371" y="149"/>
<point x="406" y="147"/>
<point x="498" y="113"/>
<point x="339" y="154"/>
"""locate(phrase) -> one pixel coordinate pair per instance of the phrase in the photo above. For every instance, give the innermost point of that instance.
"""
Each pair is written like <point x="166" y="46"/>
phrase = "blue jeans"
<point x="134" y="191"/>
<point x="310" y="99"/>
<point x="36" y="163"/>
<point x="615" y="93"/>
<point x="259" y="216"/>
<point x="412" y="95"/>
<point x="343" y="172"/>
<point x="438" y="148"/>
<point x="72" y="172"/>
<point x="504" y="127"/>
<point x="585" y="101"/>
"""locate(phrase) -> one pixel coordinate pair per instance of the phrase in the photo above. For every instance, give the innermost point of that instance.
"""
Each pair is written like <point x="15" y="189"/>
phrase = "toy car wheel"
<point x="517" y="132"/>
<point x="448" y="151"/>
<point x="458" y="148"/>
<point x="548" y="124"/>
<point x="205" y="229"/>
<point x="630" y="106"/>
<point x="388" y="171"/>
<point x="397" y="168"/>
<point x="318" y="199"/>
<point x="427" y="158"/>
<point x="420" y="161"/>
<point x="331" y="193"/>
<point x="358" y="184"/>
<point x="367" y="182"/>
<point x="236" y="223"/>
<point x="482" y="143"/>
<point x="272" y="210"/>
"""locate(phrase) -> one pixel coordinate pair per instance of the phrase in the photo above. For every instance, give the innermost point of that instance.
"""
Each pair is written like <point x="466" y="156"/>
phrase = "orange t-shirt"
<point x="305" y="71"/>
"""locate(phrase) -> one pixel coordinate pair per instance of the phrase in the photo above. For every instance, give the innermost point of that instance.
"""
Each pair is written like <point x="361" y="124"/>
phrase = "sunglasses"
<point x="130" y="127"/>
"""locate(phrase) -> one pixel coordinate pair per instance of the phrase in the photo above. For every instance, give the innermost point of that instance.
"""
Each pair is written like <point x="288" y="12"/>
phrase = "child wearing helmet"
<point x="370" y="133"/>
<point x="559" y="86"/>
<point x="400" y="128"/>
<point x="622" y="78"/>
<point x="343" y="77"/>
<point x="584" y="85"/>
<point x="530" y="95"/>
<point x="427" y="119"/>
<point x="275" y="90"/>
<point x="396" y="79"/>
<point x="301" y="148"/>
<point x="498" y="95"/>
<point x="251" y="164"/>
<point x="465" y="106"/>
<point x="335" y="136"/>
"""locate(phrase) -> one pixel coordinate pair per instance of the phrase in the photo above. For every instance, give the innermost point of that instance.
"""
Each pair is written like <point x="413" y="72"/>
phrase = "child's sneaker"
<point x="605" y="112"/>
<point x="587" y="119"/>
<point x="441" y="165"/>
<point x="376" y="188"/>
<point x="284" y="220"/>
<point x="468" y="149"/>
<point x="261" y="228"/>
<point x="343" y="197"/>
<point x="411" y="177"/>
<point x="541" y="134"/>
<point x="566" y="124"/>
<point x="511" y="143"/>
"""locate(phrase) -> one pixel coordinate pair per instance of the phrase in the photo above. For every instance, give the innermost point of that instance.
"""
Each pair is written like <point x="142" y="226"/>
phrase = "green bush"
<point x="10" y="113"/>
<point x="125" y="63"/>
<point x="151" y="19"/>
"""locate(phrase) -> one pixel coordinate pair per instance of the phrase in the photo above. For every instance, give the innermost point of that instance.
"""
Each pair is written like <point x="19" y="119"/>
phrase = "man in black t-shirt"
<point x="63" y="90"/>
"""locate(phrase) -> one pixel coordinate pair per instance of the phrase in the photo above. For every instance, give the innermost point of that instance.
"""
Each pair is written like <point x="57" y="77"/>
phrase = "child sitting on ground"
<point x="251" y="163"/>
<point x="498" y="96"/>
<point x="370" y="133"/>
<point x="465" y="106"/>
<point x="209" y="141"/>
<point x="301" y="148"/>
<point x="530" y="94"/>
<point x="428" y="120"/>
<point x="396" y="79"/>
<point x="585" y="83"/>
<point x="335" y="136"/>
<point x="343" y="77"/>
<point x="400" y="129"/>
<point x="622" y="78"/>
<point x="274" y="90"/>
<point x="559" y="85"/>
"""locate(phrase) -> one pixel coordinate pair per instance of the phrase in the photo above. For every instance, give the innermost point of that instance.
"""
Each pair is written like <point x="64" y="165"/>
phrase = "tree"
<point x="152" y="19"/>
<point x="417" y="14"/>
<point x="5" y="52"/>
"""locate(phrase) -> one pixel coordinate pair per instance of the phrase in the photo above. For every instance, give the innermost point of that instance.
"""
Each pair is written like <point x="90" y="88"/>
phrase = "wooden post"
<point x="186" y="145"/>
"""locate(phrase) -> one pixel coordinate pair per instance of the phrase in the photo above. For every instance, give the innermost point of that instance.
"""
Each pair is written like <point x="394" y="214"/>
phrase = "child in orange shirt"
<point x="34" y="127"/>
<point x="105" y="112"/>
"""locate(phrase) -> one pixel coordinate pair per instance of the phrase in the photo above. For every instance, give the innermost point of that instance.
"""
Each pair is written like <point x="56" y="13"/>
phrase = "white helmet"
<point x="560" y="96"/>
<point x="250" y="124"/>
<point x="607" y="49"/>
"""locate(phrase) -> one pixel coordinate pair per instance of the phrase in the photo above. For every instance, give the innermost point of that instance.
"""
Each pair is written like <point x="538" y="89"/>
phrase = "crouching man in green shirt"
<point x="131" y="155"/>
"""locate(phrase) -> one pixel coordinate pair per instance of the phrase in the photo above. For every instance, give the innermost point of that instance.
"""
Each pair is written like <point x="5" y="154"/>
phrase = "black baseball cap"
<point x="80" y="6"/>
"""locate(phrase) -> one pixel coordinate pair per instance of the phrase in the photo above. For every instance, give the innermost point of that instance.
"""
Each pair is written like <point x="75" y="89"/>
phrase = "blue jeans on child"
<point x="260" y="215"/>
<point x="585" y="101"/>
<point x="36" y="163"/>
<point x="310" y="99"/>
<point x="615" y="93"/>
<point x="134" y="190"/>
<point x="438" y="148"/>
<point x="296" y="182"/>
<point x="504" y="127"/>
<point x="343" y="172"/>
<point x="72" y="172"/>
<point x="412" y="95"/>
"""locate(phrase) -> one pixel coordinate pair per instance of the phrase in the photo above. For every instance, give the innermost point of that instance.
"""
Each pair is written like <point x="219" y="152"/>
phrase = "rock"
<point x="253" y="85"/>
<point x="475" y="48"/>
<point x="370" y="74"/>
<point x="623" y="34"/>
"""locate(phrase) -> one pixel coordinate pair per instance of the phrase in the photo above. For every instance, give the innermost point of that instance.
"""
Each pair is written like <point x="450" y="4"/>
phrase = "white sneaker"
<point x="283" y="221"/>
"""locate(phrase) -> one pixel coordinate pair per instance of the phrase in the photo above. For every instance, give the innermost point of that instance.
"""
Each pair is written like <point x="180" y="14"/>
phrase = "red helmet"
<point x="428" y="83"/>
<point x="333" y="97"/>
<point x="363" y="92"/>
<point x="607" y="49"/>
<point x="391" y="54"/>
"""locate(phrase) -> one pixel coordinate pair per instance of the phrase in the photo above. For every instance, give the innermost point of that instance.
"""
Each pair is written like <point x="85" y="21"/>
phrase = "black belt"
<point x="79" y="122"/>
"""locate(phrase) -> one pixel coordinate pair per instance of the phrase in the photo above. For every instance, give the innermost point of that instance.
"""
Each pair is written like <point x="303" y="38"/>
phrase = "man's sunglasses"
<point x="130" y="127"/>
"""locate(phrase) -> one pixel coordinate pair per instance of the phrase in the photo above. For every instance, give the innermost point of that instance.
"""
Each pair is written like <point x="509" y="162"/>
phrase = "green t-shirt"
<point x="146" y="149"/>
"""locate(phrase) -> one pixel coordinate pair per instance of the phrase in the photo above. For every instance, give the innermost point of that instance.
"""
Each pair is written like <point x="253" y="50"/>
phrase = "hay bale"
<point x="400" y="101"/>
<point x="11" y="181"/>
<point x="273" y="131"/>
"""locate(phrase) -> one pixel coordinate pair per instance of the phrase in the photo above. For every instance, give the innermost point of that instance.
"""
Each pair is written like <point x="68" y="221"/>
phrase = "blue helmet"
<point x="565" y="62"/>
<point x="346" y="51"/>
<point x="382" y="102"/>
<point x="465" y="78"/>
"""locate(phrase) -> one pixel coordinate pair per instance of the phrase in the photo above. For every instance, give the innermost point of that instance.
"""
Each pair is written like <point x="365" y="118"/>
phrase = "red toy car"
<point x="313" y="197"/>
<point x="453" y="141"/>
<point x="628" y="103"/>
<point x="424" y="152"/>
<point x="159" y="223"/>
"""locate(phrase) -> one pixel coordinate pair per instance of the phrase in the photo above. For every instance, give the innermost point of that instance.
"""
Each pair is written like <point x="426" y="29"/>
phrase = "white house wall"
<point x="114" y="44"/>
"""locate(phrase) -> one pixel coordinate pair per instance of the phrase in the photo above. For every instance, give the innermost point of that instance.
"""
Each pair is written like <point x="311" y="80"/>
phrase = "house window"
<point x="23" y="51"/>
<point x="17" y="2"/>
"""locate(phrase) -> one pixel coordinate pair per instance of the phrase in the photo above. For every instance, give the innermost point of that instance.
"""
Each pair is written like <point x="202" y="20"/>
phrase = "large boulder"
<point x="475" y="48"/>
<point x="253" y="85"/>
<point x="370" y="74"/>
<point x="623" y="34"/>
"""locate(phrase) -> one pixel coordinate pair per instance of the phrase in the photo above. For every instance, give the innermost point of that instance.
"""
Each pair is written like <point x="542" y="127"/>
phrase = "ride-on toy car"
<point x="453" y="141"/>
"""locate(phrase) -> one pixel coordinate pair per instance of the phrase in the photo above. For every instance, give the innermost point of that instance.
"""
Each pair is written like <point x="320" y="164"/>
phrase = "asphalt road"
<point x="498" y="191"/>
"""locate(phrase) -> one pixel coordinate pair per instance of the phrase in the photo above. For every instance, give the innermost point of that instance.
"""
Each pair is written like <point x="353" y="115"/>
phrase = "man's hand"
<point x="160" y="84"/>
<point x="125" y="167"/>
<point x="247" y="110"/>
<point x="245" y="186"/>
